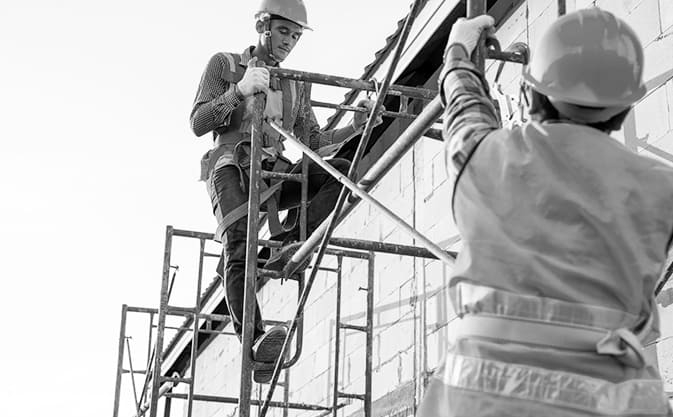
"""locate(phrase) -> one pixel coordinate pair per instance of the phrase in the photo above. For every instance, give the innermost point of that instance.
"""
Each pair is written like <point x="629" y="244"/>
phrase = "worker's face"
<point x="284" y="36"/>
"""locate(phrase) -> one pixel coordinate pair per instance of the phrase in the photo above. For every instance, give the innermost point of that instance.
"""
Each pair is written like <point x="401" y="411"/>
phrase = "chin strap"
<point x="266" y="19"/>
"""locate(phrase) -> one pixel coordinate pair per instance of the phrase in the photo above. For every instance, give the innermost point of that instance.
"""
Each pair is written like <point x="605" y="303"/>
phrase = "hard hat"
<point x="293" y="10"/>
<point x="588" y="58"/>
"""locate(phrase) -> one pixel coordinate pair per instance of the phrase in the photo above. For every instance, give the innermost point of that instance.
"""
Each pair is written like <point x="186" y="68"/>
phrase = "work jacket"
<point x="565" y="233"/>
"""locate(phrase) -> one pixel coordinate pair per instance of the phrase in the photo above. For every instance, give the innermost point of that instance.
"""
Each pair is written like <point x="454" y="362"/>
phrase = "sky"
<point x="97" y="157"/>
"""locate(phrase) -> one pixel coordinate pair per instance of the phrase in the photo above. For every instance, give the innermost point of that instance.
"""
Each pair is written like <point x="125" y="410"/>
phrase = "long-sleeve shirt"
<point x="555" y="210"/>
<point x="216" y="99"/>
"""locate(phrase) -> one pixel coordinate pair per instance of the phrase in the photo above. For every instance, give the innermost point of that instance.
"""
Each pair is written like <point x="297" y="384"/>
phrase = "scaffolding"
<point x="158" y="385"/>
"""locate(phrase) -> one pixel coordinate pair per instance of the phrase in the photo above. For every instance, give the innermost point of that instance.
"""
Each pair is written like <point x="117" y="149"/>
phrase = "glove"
<point x="360" y="119"/>
<point x="255" y="80"/>
<point x="467" y="32"/>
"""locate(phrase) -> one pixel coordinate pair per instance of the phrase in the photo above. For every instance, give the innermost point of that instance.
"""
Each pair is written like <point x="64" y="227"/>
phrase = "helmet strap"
<point x="266" y="20"/>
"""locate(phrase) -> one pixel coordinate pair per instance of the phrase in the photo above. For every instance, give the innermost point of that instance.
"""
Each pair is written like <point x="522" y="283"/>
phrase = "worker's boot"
<point x="266" y="350"/>
<point x="281" y="258"/>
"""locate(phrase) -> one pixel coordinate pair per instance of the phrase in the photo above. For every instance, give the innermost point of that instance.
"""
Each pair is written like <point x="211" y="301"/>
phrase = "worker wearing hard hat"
<point x="223" y="105"/>
<point x="565" y="233"/>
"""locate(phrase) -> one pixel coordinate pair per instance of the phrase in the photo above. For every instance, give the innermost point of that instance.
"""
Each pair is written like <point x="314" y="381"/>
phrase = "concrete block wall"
<point x="412" y="315"/>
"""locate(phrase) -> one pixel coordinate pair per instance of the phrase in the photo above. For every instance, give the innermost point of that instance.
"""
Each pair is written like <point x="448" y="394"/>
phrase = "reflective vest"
<point x="237" y="127"/>
<point x="565" y="234"/>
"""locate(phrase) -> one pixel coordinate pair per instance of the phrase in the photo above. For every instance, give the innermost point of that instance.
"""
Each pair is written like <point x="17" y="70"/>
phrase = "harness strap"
<point x="268" y="196"/>
<point x="242" y="210"/>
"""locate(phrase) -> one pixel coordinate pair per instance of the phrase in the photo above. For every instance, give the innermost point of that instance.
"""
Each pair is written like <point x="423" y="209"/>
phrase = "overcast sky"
<point x="96" y="158"/>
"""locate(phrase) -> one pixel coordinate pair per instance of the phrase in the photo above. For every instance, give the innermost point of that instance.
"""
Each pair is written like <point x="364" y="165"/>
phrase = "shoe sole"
<point x="268" y="353"/>
<point x="262" y="376"/>
<point x="270" y="349"/>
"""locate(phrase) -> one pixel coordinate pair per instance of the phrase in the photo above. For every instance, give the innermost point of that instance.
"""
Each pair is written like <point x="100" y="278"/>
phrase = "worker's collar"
<point x="247" y="56"/>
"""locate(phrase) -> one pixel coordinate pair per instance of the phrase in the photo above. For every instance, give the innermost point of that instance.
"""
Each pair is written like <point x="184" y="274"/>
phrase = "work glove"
<point x="467" y="32"/>
<point x="360" y="119"/>
<point x="255" y="80"/>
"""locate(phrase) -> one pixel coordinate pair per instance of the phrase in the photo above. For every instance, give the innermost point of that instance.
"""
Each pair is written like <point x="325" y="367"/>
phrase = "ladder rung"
<point x="276" y="323"/>
<point x="176" y="380"/>
<point x="267" y="273"/>
<point x="126" y="371"/>
<point x="282" y="176"/>
<point x="335" y="270"/>
<point x="352" y="327"/>
<point x="179" y="311"/>
<point x="354" y="396"/>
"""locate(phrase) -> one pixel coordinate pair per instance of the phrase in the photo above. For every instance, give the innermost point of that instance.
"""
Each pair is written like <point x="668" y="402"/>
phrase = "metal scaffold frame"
<point x="421" y="125"/>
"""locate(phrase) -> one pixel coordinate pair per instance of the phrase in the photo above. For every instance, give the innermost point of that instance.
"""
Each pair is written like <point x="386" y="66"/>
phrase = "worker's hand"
<point x="360" y="119"/>
<point x="255" y="79"/>
<point x="468" y="31"/>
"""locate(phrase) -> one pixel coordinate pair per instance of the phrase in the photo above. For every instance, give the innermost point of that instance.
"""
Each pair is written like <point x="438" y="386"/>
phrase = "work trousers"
<point x="227" y="194"/>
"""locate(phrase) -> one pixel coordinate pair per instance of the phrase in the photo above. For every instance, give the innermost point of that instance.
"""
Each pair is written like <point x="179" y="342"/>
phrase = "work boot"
<point x="278" y="261"/>
<point x="267" y="350"/>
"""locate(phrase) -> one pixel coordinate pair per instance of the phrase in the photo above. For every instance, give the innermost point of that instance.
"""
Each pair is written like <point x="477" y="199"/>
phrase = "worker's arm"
<point x="215" y="99"/>
<point x="469" y="113"/>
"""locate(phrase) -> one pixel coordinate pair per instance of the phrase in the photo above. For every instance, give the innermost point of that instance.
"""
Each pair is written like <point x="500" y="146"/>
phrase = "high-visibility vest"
<point x="565" y="233"/>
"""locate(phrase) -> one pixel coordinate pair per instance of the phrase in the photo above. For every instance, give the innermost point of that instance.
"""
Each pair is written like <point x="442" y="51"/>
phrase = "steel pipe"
<point x="382" y="247"/>
<point x="477" y="8"/>
<point x="120" y="360"/>
<point x="249" y="297"/>
<point x="234" y="400"/>
<point x="161" y="322"/>
<point x="351" y="83"/>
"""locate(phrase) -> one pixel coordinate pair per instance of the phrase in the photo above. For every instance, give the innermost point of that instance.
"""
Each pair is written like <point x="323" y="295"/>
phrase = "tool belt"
<point x="491" y="313"/>
<point x="269" y="192"/>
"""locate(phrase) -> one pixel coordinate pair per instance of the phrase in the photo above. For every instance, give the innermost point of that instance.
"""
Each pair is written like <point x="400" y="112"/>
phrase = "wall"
<point x="412" y="315"/>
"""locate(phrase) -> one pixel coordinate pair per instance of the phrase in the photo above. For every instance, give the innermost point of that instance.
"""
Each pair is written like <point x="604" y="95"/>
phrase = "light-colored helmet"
<point x="293" y="10"/>
<point x="588" y="58"/>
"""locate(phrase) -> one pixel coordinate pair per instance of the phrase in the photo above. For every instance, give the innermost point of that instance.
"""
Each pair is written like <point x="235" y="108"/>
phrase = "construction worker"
<point x="565" y="233"/>
<point x="223" y="105"/>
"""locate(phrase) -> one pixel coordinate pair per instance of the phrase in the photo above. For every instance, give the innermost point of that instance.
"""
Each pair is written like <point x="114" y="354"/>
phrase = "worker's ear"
<point x="259" y="27"/>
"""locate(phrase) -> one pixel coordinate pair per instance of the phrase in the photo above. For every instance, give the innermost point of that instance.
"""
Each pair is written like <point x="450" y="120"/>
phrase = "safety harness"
<point x="270" y="193"/>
